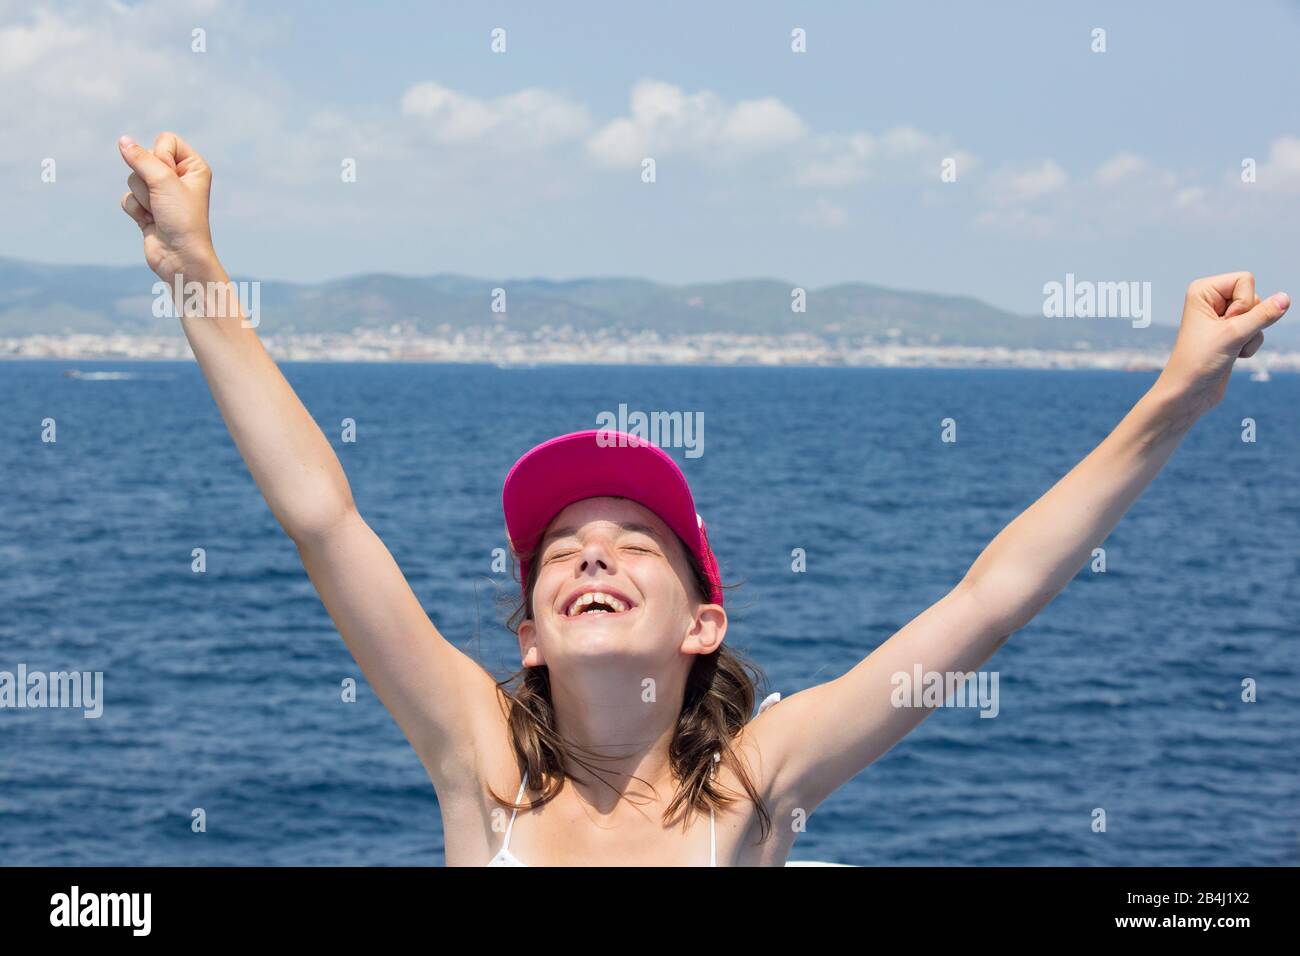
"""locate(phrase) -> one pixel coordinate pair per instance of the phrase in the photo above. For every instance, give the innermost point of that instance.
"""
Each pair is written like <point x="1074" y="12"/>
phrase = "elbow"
<point x="308" y="527"/>
<point x="1002" y="606"/>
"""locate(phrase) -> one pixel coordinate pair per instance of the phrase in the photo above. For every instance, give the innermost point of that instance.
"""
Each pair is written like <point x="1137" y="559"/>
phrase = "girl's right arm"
<point x="445" y="703"/>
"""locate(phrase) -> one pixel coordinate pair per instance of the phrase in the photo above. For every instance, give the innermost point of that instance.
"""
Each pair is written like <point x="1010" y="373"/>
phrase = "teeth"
<point x="596" y="596"/>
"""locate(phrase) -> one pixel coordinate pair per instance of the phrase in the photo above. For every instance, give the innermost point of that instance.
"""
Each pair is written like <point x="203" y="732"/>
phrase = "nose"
<point x="596" y="556"/>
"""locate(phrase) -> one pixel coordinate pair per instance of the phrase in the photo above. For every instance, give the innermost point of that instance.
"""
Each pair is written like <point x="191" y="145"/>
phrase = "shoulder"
<point x="750" y="748"/>
<point x="772" y="742"/>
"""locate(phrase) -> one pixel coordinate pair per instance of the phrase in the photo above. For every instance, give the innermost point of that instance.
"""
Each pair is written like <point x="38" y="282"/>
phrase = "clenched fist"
<point x="168" y="199"/>
<point x="1223" y="320"/>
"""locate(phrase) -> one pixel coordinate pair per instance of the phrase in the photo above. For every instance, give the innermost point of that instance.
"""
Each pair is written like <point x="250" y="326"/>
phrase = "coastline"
<point x="648" y="349"/>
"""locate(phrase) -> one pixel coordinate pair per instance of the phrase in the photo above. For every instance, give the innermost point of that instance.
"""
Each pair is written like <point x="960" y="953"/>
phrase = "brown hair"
<point x="718" y="702"/>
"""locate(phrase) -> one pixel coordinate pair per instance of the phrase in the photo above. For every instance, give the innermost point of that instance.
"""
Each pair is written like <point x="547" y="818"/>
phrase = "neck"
<point x="630" y="726"/>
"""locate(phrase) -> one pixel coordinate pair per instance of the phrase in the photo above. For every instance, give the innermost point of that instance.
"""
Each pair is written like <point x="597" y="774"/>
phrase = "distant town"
<point x="506" y="348"/>
<point x="110" y="313"/>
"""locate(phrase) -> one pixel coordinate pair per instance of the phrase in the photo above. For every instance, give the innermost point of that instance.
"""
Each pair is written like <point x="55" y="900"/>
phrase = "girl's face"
<point x="614" y="581"/>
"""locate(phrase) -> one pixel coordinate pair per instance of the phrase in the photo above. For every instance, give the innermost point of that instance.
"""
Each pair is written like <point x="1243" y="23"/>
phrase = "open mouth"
<point x="596" y="602"/>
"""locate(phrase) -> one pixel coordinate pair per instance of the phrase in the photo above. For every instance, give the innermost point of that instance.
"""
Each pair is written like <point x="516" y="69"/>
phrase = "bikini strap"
<point x="523" y="784"/>
<point x="713" y="841"/>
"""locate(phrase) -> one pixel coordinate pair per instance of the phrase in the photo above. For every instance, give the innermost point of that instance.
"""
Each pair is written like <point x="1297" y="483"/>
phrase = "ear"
<point x="529" y="651"/>
<point x="706" y="631"/>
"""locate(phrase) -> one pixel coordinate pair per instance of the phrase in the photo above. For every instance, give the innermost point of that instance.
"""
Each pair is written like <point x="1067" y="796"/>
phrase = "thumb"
<point x="1264" y="314"/>
<point x="149" y="167"/>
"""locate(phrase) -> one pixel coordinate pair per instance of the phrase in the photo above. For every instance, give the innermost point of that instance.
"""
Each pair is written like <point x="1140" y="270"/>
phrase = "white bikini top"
<point x="505" y="858"/>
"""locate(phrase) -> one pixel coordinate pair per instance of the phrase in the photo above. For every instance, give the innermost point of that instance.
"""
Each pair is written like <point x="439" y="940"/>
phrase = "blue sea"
<point x="221" y="690"/>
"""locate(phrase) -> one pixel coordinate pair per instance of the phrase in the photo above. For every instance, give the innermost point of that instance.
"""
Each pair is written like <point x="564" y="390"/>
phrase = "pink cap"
<point x="599" y="463"/>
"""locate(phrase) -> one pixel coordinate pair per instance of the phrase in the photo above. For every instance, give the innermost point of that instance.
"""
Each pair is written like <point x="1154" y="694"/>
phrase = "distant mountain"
<point x="52" y="299"/>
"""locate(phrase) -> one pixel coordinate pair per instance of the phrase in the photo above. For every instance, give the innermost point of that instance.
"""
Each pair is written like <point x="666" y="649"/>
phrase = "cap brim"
<point x="581" y="465"/>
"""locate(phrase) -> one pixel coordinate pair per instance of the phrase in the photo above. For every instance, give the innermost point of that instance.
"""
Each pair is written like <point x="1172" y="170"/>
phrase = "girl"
<point x="630" y="723"/>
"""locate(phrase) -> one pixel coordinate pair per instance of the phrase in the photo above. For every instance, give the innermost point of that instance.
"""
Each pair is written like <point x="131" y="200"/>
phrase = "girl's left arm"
<point x="820" y="738"/>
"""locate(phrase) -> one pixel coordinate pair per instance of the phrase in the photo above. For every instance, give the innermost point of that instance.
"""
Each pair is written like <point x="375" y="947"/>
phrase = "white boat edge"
<point x="813" y="863"/>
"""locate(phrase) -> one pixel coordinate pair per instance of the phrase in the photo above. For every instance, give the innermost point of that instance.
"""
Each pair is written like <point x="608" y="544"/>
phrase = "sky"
<point x="814" y="167"/>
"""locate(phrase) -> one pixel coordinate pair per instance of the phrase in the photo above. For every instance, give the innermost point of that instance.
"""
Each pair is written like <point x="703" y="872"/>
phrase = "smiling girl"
<point x="629" y="735"/>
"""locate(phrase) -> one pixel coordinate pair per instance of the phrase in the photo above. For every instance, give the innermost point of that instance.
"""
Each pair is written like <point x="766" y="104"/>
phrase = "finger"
<point x="139" y="190"/>
<point x="1261" y="316"/>
<point x="1251" y="347"/>
<point x="1240" y="306"/>
<point x="174" y="151"/>
<point x="164" y="147"/>
<point x="151" y="169"/>
<point x="131" y="206"/>
<point x="1223" y="291"/>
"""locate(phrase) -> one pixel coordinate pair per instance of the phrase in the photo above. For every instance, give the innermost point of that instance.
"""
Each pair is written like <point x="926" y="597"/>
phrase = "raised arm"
<point x="822" y="737"/>
<point x="444" y="702"/>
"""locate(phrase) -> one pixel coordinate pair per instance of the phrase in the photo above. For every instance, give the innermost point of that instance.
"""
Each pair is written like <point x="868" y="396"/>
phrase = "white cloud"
<point x="1122" y="167"/>
<point x="904" y="152"/>
<point x="528" y="118"/>
<point x="1041" y="199"/>
<point x="664" y="120"/>
<point x="1026" y="184"/>
<point x="23" y="46"/>
<point x="1126" y="175"/>
<point x="81" y="73"/>
<point x="840" y="161"/>
<point x="1281" y="171"/>
<point x="88" y="72"/>
<point x="906" y="141"/>
<point x="966" y="162"/>
<point x="760" y="124"/>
